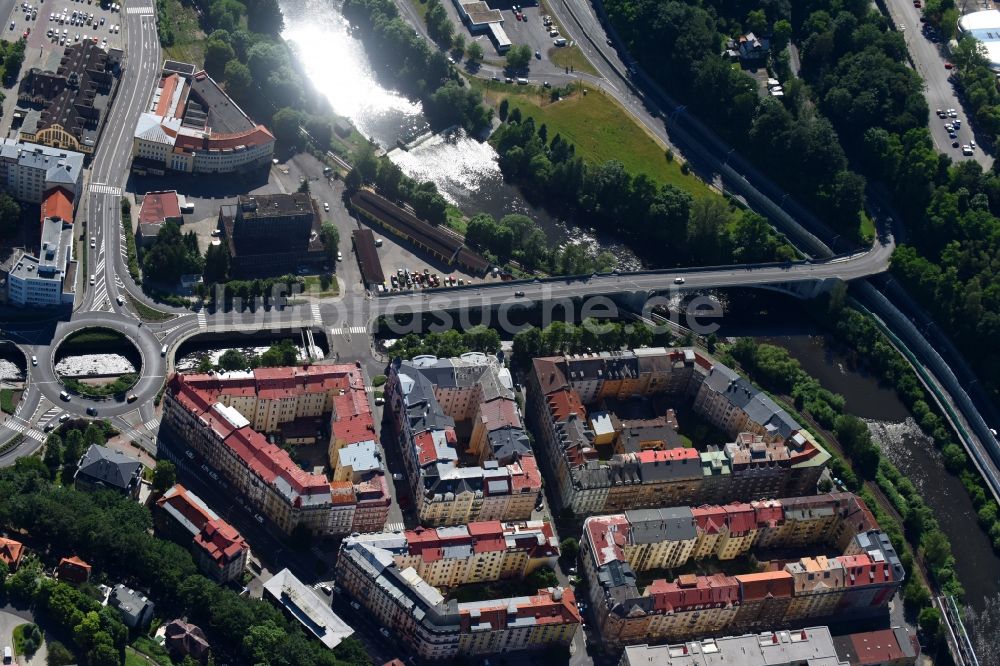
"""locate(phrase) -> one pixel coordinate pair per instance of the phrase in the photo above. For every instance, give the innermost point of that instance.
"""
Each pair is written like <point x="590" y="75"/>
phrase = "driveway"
<point x="10" y="618"/>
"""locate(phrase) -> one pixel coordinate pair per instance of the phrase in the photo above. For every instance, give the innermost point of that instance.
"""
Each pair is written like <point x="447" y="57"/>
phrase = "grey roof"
<point x="43" y="157"/>
<point x="305" y="605"/>
<point x="802" y="647"/>
<point x="128" y="601"/>
<point x="509" y="443"/>
<point x="110" y="467"/>
<point x="656" y="525"/>
<point x="759" y="407"/>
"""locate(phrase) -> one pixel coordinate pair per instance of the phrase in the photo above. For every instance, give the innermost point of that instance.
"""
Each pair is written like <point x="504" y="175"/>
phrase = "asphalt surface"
<point x="928" y="58"/>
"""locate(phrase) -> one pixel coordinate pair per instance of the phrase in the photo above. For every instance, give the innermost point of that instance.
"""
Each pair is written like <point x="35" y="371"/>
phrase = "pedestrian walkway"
<point x="353" y="330"/>
<point x="394" y="527"/>
<point x="101" y="188"/>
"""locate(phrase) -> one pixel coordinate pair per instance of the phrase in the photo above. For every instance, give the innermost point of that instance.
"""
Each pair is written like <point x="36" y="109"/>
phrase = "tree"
<point x="937" y="549"/>
<point x="570" y="549"/>
<point x="217" y="55"/>
<point x="285" y="124"/>
<point x="331" y="241"/>
<point x="929" y="620"/>
<point x="238" y="79"/>
<point x="264" y="16"/>
<point x="518" y="58"/>
<point x="233" y="359"/>
<point x="74" y="447"/>
<point x="164" y="475"/>
<point x="58" y="654"/>
<point x="53" y="457"/>
<point x="216" y="264"/>
<point x="10" y="215"/>
<point x="93" y="435"/>
<point x="474" y="54"/>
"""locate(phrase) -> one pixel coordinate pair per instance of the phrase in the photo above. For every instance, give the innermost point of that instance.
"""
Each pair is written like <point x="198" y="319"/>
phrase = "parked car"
<point x="397" y="476"/>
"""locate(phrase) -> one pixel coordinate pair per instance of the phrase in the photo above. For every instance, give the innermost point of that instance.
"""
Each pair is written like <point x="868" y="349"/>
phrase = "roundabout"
<point x="146" y="343"/>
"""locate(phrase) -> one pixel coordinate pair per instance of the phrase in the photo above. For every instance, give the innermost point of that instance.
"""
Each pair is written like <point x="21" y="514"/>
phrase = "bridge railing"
<point x="678" y="272"/>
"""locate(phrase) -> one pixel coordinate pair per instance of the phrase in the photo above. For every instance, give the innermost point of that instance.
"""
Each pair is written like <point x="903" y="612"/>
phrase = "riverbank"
<point x="600" y="129"/>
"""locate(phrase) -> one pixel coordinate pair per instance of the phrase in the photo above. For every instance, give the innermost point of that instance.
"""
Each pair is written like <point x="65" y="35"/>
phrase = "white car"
<point x="340" y="256"/>
<point x="326" y="206"/>
<point x="93" y="242"/>
<point x="92" y="280"/>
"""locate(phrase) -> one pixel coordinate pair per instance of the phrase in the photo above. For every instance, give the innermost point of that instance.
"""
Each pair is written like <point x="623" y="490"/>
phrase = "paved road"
<point x="928" y="58"/>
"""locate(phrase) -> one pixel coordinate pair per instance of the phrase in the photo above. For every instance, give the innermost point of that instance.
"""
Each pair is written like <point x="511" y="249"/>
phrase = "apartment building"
<point x="474" y="553"/>
<point x="610" y="440"/>
<point x="813" y="646"/>
<point x="436" y="628"/>
<point x="223" y="418"/>
<point x="46" y="280"/>
<point x="28" y="170"/>
<point x="219" y="549"/>
<point x="616" y="547"/>
<point x="490" y="472"/>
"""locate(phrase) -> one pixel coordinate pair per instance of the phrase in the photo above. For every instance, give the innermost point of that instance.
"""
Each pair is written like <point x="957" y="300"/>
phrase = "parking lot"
<point x="58" y="23"/>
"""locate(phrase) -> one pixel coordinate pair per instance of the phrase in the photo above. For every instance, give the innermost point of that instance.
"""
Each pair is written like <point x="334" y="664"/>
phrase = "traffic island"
<point x="98" y="363"/>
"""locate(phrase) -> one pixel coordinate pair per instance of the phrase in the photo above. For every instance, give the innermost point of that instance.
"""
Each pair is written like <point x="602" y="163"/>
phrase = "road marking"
<point x="394" y="527"/>
<point x="35" y="435"/>
<point x="354" y="330"/>
<point x="16" y="425"/>
<point x="202" y="320"/>
<point x="152" y="424"/>
<point x="317" y="317"/>
<point x="139" y="10"/>
<point x="101" y="188"/>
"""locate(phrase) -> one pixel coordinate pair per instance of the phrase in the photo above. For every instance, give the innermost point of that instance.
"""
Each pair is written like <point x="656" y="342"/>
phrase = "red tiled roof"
<point x="549" y="373"/>
<point x="525" y="474"/>
<point x="689" y="591"/>
<point x="159" y="206"/>
<point x="740" y="517"/>
<point x="663" y="455"/>
<point x="168" y="84"/>
<point x="876" y="647"/>
<point x="497" y="414"/>
<point x="11" y="552"/>
<point x="58" y="202"/>
<point x="221" y="541"/>
<point x="180" y="500"/>
<point x="758" y="586"/>
<point x="564" y="402"/>
<point x="203" y="141"/>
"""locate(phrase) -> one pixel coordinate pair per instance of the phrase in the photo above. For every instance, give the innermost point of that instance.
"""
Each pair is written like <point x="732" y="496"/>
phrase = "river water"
<point x="465" y="171"/>
<point x="902" y="442"/>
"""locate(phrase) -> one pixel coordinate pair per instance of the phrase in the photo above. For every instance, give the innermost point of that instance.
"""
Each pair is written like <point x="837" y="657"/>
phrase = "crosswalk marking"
<point x="139" y="10"/>
<point x="316" y="313"/>
<point x="394" y="527"/>
<point x="354" y="330"/>
<point x="202" y="320"/>
<point x="16" y="425"/>
<point x="35" y="435"/>
<point x="152" y="424"/>
<point x="101" y="188"/>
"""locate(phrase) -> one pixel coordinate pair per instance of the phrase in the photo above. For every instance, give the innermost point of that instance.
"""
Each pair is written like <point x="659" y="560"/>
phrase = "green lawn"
<point x="867" y="229"/>
<point x="7" y="401"/>
<point x="147" y="313"/>
<point x="571" y="56"/>
<point x="601" y="129"/>
<point x="321" y="286"/>
<point x="189" y="40"/>
<point x="154" y="651"/>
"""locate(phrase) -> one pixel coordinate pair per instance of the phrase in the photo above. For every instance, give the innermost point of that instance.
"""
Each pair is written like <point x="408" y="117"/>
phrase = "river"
<point x="466" y="171"/>
<point x="902" y="442"/>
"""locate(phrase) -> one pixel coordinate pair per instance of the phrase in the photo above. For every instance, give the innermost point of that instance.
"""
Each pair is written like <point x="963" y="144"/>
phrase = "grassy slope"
<point x="601" y="130"/>
<point x="189" y="40"/>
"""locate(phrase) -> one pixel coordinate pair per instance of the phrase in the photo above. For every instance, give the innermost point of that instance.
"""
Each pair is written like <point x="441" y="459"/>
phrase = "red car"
<point x="916" y="3"/>
<point x="948" y="65"/>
